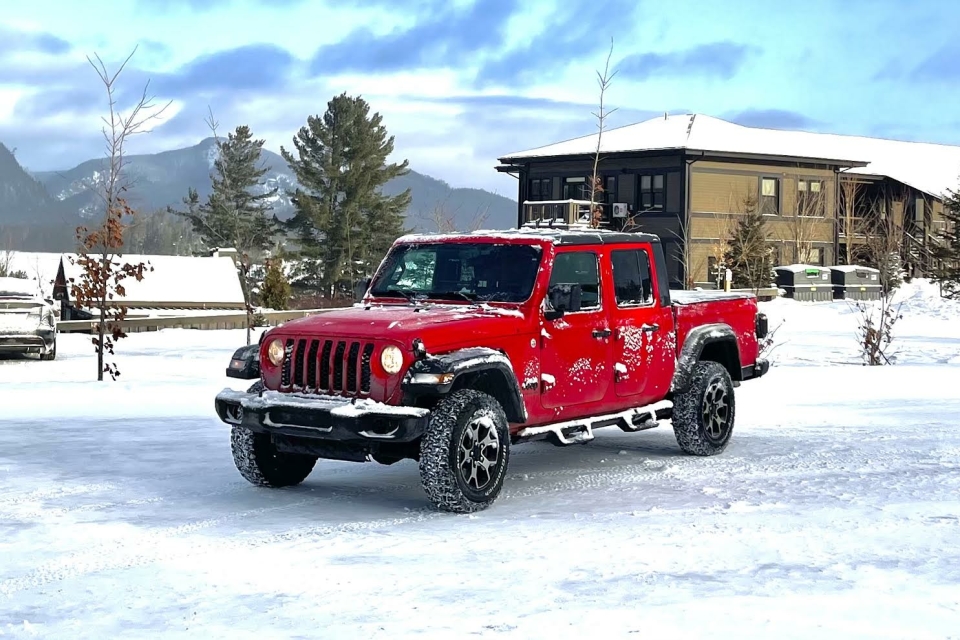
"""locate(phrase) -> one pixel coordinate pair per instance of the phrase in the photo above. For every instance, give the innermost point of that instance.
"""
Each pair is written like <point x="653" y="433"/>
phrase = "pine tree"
<point x="236" y="214"/>
<point x="275" y="292"/>
<point x="748" y="254"/>
<point x="343" y="222"/>
<point x="948" y="254"/>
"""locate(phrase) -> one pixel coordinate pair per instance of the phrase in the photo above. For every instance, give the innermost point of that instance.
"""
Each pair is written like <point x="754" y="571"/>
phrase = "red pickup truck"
<point x="464" y="345"/>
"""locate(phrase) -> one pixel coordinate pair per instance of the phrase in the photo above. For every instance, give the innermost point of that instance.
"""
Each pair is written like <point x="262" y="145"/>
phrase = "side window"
<point x="579" y="267"/>
<point x="631" y="277"/>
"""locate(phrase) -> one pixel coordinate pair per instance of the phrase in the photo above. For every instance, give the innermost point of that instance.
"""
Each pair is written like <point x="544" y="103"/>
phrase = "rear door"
<point x="576" y="349"/>
<point x="642" y="350"/>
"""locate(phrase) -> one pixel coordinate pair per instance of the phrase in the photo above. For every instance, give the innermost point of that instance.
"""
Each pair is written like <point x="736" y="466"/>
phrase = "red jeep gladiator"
<point x="462" y="346"/>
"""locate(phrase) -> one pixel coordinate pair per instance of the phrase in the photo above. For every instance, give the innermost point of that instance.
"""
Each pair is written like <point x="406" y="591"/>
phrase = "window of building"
<point x="810" y="198"/>
<point x="579" y="267"/>
<point x="610" y="189"/>
<point x="576" y="188"/>
<point x="920" y="210"/>
<point x="651" y="192"/>
<point x="541" y="189"/>
<point x="815" y="255"/>
<point x="770" y="196"/>
<point x="631" y="277"/>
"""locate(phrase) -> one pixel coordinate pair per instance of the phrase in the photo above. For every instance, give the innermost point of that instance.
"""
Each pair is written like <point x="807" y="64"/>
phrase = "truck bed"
<point x="692" y="309"/>
<point x="707" y="295"/>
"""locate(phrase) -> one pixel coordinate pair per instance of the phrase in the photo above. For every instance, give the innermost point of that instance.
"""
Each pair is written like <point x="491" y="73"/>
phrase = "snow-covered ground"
<point x="835" y="511"/>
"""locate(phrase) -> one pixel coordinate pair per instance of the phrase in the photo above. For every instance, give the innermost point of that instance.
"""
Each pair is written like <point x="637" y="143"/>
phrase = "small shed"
<point x="805" y="282"/>
<point x="853" y="282"/>
<point x="176" y="284"/>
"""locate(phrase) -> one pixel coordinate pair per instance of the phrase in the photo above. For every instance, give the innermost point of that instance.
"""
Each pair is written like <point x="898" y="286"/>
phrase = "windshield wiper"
<point x="409" y="295"/>
<point x="453" y="294"/>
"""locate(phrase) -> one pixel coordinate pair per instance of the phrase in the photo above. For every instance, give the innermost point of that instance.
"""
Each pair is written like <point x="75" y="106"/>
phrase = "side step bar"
<point x="581" y="431"/>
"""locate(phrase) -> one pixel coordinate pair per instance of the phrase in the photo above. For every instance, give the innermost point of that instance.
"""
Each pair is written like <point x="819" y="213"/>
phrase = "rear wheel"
<point x="465" y="451"/>
<point x="50" y="355"/>
<point x="260" y="463"/>
<point x="703" y="415"/>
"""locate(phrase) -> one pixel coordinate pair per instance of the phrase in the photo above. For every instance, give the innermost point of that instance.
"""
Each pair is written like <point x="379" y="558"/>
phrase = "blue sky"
<point x="460" y="82"/>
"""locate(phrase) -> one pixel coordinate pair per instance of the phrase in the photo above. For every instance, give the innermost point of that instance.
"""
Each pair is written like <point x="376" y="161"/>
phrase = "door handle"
<point x="601" y="333"/>
<point x="650" y="328"/>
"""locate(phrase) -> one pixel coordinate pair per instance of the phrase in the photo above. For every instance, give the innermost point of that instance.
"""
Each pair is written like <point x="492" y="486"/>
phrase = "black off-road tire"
<point x="453" y="483"/>
<point x="703" y="415"/>
<point x="259" y="462"/>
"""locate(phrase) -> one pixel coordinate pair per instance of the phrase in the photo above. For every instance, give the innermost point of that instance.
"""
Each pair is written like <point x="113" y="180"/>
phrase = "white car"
<point x="28" y="322"/>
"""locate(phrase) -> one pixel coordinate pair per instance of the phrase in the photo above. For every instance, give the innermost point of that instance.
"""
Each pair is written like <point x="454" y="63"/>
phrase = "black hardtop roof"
<point x="558" y="236"/>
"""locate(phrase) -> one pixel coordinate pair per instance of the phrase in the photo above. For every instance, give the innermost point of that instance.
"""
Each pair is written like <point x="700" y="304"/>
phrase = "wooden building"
<point x="688" y="178"/>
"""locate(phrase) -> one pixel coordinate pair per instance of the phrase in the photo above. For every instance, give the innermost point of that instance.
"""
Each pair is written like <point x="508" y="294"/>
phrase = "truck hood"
<point x="436" y="324"/>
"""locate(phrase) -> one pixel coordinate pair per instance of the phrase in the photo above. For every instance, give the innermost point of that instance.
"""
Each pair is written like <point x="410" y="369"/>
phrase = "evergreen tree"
<point x="748" y="255"/>
<point x="236" y="214"/>
<point x="275" y="292"/>
<point x="343" y="222"/>
<point x="948" y="254"/>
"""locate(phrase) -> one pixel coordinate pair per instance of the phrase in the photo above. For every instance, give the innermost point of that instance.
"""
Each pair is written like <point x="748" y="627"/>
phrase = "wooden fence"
<point x="202" y="322"/>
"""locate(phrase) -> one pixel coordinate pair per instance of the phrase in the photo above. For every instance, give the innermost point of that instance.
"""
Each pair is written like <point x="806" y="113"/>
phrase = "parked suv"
<point x="465" y="345"/>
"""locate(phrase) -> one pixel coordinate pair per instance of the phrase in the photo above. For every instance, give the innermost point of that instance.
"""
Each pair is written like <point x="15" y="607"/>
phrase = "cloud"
<point x="447" y="37"/>
<point x="772" y="119"/>
<point x="716" y="59"/>
<point x="568" y="36"/>
<point x="203" y="6"/>
<point x="250" y="67"/>
<point x="14" y="41"/>
<point x="942" y="65"/>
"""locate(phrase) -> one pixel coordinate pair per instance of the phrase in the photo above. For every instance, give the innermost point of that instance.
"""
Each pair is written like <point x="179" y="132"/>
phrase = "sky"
<point x="462" y="82"/>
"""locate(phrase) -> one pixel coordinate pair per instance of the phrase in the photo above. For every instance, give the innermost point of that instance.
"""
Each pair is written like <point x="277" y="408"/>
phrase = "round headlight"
<point x="391" y="358"/>
<point x="275" y="352"/>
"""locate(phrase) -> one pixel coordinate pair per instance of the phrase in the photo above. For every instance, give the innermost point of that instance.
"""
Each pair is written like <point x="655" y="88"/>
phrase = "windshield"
<point x="459" y="271"/>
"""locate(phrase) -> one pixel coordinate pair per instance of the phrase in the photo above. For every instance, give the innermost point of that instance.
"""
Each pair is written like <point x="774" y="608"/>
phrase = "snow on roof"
<point x="177" y="279"/>
<point x="799" y="268"/>
<point x="40" y="267"/>
<point x="17" y="288"/>
<point x="931" y="168"/>
<point x="847" y="268"/>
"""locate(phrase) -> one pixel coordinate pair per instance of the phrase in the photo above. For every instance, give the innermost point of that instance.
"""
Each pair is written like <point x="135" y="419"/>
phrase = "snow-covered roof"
<point x="210" y="281"/>
<point x="800" y="268"/>
<point x="931" y="168"/>
<point x="40" y="267"/>
<point x="17" y="288"/>
<point x="848" y="268"/>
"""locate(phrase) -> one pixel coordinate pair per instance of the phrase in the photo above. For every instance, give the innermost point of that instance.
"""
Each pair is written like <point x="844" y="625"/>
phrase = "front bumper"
<point x="321" y="417"/>
<point x="39" y="341"/>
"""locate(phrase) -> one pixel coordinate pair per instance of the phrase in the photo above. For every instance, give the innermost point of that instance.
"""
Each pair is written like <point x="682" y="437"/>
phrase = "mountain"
<point x="162" y="179"/>
<point x="22" y="198"/>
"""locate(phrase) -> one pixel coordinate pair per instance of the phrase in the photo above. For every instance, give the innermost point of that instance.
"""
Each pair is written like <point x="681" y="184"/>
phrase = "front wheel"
<point x="703" y="415"/>
<point x="465" y="451"/>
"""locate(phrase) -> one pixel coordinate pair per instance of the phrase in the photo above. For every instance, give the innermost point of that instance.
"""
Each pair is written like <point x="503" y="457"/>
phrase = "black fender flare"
<point x="438" y="375"/>
<point x="693" y="346"/>
<point x="245" y="363"/>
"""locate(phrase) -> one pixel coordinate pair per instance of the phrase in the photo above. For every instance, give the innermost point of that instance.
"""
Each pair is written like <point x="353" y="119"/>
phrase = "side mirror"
<point x="563" y="298"/>
<point x="360" y="289"/>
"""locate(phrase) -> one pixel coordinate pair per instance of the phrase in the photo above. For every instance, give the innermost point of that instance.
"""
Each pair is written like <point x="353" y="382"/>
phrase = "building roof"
<point x="210" y="282"/>
<point x="40" y="267"/>
<point x="931" y="168"/>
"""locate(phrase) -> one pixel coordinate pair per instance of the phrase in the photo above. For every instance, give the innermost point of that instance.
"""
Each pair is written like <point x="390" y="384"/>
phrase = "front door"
<point x="576" y="349"/>
<point x="640" y="325"/>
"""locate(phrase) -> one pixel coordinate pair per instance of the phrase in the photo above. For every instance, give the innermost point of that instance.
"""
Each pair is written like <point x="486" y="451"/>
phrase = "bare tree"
<point x="99" y="257"/>
<point x="881" y="248"/>
<point x="849" y="191"/>
<point x="596" y="182"/>
<point x="442" y="219"/>
<point x="810" y="211"/>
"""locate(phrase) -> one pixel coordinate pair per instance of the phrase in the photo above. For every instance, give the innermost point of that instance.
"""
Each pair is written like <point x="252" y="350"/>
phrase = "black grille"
<point x="341" y="367"/>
